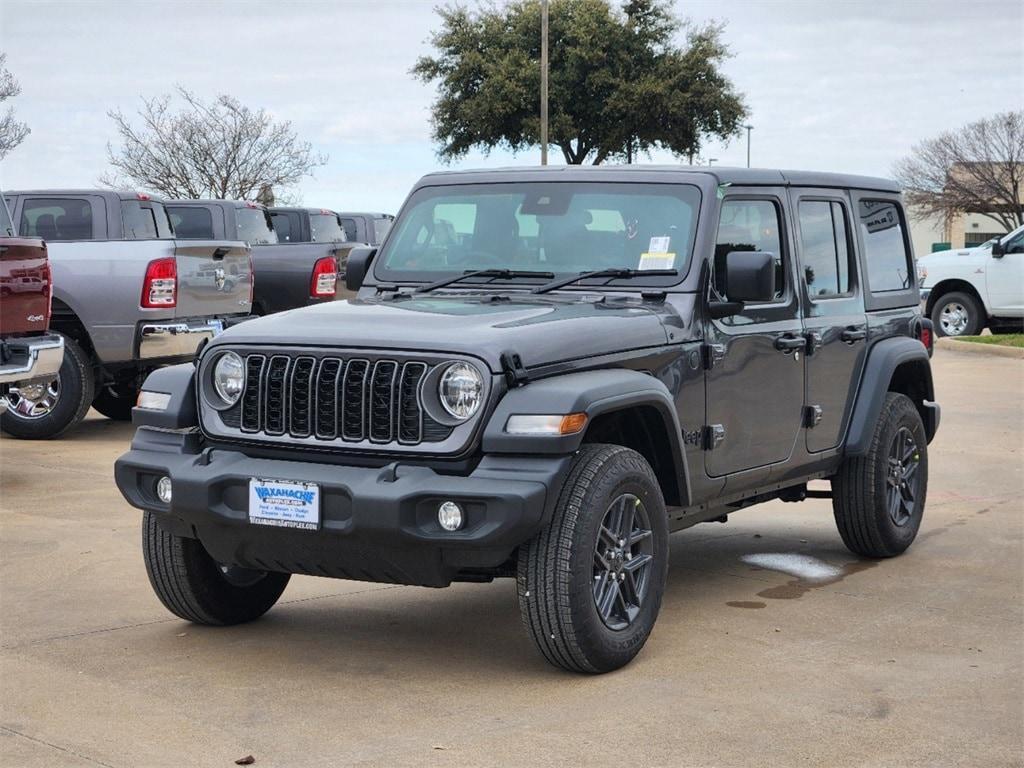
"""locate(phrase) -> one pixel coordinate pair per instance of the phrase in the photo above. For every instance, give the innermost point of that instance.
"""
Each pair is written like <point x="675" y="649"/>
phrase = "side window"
<point x="139" y="222"/>
<point x="349" y="225"/>
<point x="885" y="246"/>
<point x="824" y="247"/>
<point x="56" y="219"/>
<point x="749" y="225"/>
<point x="191" y="223"/>
<point x="282" y="226"/>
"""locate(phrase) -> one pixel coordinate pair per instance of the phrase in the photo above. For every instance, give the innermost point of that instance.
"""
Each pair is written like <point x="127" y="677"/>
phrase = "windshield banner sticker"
<point x="657" y="255"/>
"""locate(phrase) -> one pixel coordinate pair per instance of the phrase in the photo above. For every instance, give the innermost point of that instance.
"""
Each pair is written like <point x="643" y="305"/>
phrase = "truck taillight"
<point x="926" y="334"/>
<point x="160" y="288"/>
<point x="325" y="278"/>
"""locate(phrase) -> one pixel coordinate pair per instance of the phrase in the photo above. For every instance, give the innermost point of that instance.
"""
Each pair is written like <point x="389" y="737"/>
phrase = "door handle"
<point x="788" y="343"/>
<point x="853" y="335"/>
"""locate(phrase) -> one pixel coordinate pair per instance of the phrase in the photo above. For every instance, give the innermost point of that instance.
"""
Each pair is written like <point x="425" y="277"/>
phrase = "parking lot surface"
<point x="915" y="661"/>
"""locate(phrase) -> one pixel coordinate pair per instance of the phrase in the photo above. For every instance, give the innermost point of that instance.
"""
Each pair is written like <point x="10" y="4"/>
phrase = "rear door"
<point x="835" y="323"/>
<point x="755" y="360"/>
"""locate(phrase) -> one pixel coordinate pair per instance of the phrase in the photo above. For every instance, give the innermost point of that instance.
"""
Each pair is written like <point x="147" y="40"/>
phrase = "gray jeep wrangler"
<point x="545" y="372"/>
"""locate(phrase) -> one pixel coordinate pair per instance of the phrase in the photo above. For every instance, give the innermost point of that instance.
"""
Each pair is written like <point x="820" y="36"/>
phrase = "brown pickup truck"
<point x="30" y="357"/>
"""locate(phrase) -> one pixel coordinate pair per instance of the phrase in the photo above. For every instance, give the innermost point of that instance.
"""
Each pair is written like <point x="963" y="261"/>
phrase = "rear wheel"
<point x="40" y="411"/>
<point x="116" y="401"/>
<point x="957" y="314"/>
<point x="590" y="584"/>
<point x="878" y="499"/>
<point x="195" y="587"/>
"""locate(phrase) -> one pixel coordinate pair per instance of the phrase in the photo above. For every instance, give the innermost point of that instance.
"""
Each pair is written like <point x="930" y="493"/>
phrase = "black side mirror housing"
<point x="356" y="266"/>
<point x="998" y="249"/>
<point x="750" y="276"/>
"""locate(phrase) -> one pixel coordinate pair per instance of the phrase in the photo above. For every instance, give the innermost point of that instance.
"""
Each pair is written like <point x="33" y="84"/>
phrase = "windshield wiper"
<point x="615" y="272"/>
<point x="494" y="274"/>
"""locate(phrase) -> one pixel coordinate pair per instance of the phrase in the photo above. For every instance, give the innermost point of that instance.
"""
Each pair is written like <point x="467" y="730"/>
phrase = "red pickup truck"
<point x="30" y="357"/>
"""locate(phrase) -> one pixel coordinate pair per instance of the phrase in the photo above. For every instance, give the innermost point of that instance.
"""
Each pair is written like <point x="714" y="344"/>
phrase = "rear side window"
<point x="325" y="228"/>
<point x="254" y="226"/>
<point x="144" y="220"/>
<point x="191" y="223"/>
<point x="6" y="225"/>
<point x="56" y="219"/>
<point x="824" y="247"/>
<point x="885" y="246"/>
<point x="750" y="225"/>
<point x="283" y="228"/>
<point x="351" y="232"/>
<point x="380" y="228"/>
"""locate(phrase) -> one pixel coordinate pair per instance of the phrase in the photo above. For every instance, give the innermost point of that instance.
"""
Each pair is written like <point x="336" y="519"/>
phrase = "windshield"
<point x="558" y="227"/>
<point x="325" y="228"/>
<point x="254" y="226"/>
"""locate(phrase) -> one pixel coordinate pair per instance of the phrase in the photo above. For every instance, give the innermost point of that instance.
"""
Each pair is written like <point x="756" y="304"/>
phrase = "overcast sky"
<point x="839" y="86"/>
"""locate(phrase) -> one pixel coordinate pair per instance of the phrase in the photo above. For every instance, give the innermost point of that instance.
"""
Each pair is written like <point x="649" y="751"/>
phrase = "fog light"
<point x="449" y="515"/>
<point x="163" y="489"/>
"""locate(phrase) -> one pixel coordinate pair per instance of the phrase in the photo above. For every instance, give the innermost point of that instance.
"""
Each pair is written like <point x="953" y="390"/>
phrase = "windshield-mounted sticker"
<point x="659" y="245"/>
<point x="657" y="260"/>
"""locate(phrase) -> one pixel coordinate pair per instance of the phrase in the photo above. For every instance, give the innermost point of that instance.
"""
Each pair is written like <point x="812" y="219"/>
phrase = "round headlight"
<point x="229" y="377"/>
<point x="461" y="390"/>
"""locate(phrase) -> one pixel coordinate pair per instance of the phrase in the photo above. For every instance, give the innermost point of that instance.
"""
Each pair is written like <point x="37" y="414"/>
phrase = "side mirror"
<point x="749" y="279"/>
<point x="998" y="249"/>
<point x="356" y="266"/>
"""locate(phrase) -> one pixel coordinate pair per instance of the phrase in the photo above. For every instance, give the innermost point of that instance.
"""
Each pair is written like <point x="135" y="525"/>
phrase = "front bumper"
<point x="178" y="338"/>
<point x="377" y="523"/>
<point x="37" y="358"/>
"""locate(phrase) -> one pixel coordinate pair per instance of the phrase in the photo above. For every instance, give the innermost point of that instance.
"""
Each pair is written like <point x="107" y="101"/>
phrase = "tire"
<point x="71" y="395"/>
<point x="556" y="583"/>
<point x="869" y="498"/>
<point x="193" y="586"/>
<point x="958" y="314"/>
<point x="116" y="401"/>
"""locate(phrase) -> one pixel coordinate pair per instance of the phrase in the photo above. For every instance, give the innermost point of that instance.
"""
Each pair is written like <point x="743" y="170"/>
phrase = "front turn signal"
<point x="550" y="425"/>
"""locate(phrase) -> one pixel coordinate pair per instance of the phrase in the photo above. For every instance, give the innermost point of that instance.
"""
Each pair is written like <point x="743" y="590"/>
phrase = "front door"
<point x="834" y="319"/>
<point x="755" y="360"/>
<point x="1004" y="278"/>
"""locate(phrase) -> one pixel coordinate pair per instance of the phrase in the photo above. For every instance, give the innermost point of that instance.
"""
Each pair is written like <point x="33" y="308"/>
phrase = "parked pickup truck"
<point x="651" y="348"/>
<point x="127" y="298"/>
<point x="29" y="356"/>
<point x="966" y="291"/>
<point x="367" y="228"/>
<point x="291" y="270"/>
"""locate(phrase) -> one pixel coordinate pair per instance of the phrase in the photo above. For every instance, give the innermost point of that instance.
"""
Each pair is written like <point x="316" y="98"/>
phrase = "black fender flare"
<point x="884" y="358"/>
<point x="178" y="381"/>
<point x="593" y="393"/>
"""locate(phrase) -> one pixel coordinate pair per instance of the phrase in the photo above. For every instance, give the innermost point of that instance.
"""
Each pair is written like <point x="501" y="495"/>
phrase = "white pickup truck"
<point x="966" y="291"/>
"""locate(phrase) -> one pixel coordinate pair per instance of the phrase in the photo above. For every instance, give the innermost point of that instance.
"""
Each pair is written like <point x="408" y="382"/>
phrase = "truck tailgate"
<point x="214" y="278"/>
<point x="25" y="286"/>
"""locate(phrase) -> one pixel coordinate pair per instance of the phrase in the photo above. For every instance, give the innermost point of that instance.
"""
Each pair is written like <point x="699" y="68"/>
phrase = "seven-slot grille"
<point x="332" y="398"/>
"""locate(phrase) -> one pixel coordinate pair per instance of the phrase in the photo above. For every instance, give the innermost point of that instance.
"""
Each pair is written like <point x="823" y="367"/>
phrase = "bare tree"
<point x="12" y="132"/>
<point x="219" y="149"/>
<point x="977" y="169"/>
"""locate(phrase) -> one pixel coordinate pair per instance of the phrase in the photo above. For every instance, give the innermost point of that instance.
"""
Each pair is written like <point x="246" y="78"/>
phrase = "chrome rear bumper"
<point x="35" y="359"/>
<point x="175" y="338"/>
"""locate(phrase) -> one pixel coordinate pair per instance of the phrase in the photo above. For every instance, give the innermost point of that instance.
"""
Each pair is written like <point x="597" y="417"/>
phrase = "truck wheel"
<point x="192" y="585"/>
<point x="878" y="499"/>
<point x="957" y="314"/>
<point x="42" y="411"/>
<point x="116" y="401"/>
<point x="590" y="583"/>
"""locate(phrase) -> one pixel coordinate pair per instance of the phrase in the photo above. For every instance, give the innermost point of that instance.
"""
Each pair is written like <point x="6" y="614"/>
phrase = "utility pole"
<point x="543" y="82"/>
<point x="749" y="129"/>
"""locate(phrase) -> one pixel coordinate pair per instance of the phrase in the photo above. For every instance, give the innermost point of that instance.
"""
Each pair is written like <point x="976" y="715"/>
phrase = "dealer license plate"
<point x="284" y="503"/>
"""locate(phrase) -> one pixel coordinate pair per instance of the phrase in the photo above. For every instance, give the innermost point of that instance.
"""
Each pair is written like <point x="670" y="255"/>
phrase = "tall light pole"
<point x="543" y="82"/>
<point x="712" y="161"/>
<point x="749" y="129"/>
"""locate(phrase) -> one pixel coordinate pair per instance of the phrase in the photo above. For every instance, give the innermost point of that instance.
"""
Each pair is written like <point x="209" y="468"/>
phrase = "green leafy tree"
<point x="619" y="83"/>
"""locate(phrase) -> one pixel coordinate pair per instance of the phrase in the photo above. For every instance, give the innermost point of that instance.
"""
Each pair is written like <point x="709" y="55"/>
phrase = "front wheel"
<point x="195" y="587"/>
<point x="590" y="584"/>
<point x="116" y="401"/>
<point x="957" y="314"/>
<point x="878" y="499"/>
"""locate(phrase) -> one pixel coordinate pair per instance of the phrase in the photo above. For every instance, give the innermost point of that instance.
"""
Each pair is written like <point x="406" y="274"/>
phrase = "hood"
<point x="541" y="329"/>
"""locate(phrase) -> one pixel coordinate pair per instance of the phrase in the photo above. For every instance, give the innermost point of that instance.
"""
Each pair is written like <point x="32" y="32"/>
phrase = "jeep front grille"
<point x="333" y="398"/>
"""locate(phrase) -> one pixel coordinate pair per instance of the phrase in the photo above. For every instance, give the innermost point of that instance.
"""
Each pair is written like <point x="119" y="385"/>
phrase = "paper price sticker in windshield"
<point x="657" y="261"/>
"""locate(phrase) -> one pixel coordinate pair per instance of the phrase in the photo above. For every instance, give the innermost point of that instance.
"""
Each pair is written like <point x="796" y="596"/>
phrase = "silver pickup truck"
<point x="127" y="298"/>
<point x="294" y="256"/>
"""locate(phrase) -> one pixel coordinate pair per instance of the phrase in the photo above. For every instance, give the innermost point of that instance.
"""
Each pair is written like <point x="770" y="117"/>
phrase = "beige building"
<point x="960" y="231"/>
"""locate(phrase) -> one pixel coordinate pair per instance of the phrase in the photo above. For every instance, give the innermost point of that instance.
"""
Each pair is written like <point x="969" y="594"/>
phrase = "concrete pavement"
<point x="915" y="661"/>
